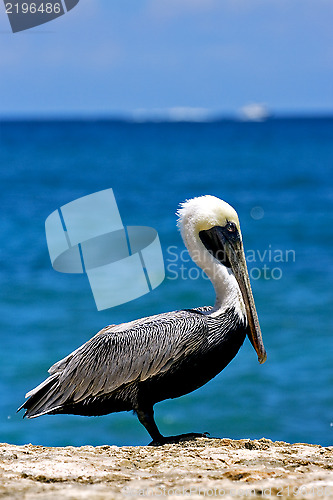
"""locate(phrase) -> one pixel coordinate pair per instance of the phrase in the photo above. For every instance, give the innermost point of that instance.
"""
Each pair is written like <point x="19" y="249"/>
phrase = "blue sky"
<point x="114" y="56"/>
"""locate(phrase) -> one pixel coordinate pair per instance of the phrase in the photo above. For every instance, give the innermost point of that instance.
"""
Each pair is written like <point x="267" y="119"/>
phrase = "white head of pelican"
<point x="208" y="223"/>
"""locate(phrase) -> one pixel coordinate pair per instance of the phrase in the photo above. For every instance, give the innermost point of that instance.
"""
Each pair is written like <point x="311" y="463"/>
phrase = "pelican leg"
<point x="146" y="417"/>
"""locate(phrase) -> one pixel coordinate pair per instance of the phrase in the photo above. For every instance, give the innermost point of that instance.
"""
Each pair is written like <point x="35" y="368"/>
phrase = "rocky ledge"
<point x="202" y="468"/>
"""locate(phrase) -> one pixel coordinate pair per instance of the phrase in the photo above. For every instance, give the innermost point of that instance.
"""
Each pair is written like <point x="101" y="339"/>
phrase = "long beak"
<point x="237" y="260"/>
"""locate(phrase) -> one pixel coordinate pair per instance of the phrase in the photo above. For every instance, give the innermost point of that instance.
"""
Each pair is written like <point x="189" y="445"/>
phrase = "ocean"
<point x="278" y="176"/>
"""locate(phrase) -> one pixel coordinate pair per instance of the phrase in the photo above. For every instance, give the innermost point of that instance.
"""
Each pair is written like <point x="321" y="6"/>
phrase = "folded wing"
<point x="116" y="356"/>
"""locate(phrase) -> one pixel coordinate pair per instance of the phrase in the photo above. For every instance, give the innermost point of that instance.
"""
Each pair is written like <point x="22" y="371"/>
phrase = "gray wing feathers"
<point x="40" y="386"/>
<point x="117" y="356"/>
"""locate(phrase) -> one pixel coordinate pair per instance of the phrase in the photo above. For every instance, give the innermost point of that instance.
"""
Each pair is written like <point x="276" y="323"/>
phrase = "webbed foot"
<point x="179" y="438"/>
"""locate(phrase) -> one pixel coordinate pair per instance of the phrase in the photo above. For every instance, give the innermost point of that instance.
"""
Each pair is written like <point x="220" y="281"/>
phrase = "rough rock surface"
<point x="218" y="468"/>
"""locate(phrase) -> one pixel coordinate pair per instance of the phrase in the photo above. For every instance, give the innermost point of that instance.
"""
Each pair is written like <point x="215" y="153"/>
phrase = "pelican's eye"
<point x="231" y="227"/>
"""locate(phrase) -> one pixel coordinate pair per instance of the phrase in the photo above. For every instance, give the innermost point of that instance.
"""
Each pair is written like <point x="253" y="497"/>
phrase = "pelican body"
<point x="134" y="365"/>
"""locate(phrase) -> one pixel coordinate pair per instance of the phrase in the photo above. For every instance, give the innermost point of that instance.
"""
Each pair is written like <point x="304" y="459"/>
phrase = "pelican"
<point x="134" y="365"/>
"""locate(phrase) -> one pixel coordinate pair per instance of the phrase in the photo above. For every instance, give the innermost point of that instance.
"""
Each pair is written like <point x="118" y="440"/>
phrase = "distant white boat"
<point x="254" y="112"/>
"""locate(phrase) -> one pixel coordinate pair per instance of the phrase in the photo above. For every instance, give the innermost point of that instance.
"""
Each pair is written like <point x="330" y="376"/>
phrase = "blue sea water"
<point x="278" y="176"/>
